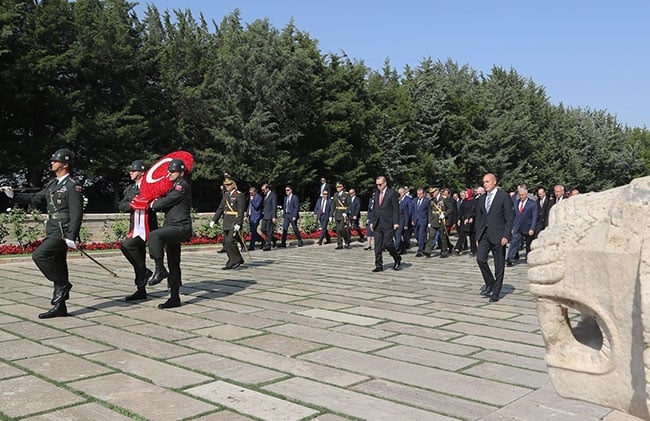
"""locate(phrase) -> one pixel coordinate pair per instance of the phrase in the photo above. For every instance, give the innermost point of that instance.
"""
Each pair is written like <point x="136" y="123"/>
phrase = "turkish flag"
<point x="154" y="184"/>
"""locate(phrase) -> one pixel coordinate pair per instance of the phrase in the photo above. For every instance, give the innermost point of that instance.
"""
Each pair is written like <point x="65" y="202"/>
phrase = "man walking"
<point x="340" y="214"/>
<point x="494" y="219"/>
<point x="384" y="223"/>
<point x="269" y="216"/>
<point x="64" y="200"/>
<point x="133" y="247"/>
<point x="322" y="212"/>
<point x="291" y="213"/>
<point x="232" y="207"/>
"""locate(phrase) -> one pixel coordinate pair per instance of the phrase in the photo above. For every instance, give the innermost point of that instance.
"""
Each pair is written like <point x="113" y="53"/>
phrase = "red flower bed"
<point x="9" y="249"/>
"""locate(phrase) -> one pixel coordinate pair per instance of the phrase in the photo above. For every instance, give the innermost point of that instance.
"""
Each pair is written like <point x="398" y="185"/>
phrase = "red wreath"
<point x="155" y="184"/>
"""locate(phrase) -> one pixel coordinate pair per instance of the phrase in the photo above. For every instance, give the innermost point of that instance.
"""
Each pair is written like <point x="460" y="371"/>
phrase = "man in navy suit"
<point x="404" y="221"/>
<point x="290" y="215"/>
<point x="494" y="219"/>
<point x="253" y="214"/>
<point x="322" y="212"/>
<point x="269" y="205"/>
<point x="385" y="221"/>
<point x="355" y="214"/>
<point x="525" y="223"/>
<point x="421" y="220"/>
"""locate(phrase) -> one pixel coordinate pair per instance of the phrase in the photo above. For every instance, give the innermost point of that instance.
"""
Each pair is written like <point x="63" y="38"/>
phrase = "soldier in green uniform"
<point x="134" y="247"/>
<point x="232" y="208"/>
<point x="438" y="213"/>
<point x="177" y="228"/>
<point x="340" y="208"/>
<point x="64" y="200"/>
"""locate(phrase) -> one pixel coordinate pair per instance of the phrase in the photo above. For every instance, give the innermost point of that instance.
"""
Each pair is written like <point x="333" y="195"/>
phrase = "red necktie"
<point x="521" y="207"/>
<point x="381" y="198"/>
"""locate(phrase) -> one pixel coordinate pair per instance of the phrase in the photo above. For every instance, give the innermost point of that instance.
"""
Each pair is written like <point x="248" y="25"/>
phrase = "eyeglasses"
<point x="287" y="189"/>
<point x="380" y="184"/>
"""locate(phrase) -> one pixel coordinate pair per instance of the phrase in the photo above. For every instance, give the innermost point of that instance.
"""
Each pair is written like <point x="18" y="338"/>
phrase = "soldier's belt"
<point x="341" y="207"/>
<point x="230" y="213"/>
<point x="59" y="215"/>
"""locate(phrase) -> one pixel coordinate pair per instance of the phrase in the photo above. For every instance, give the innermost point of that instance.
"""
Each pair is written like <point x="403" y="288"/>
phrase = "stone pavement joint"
<point x="288" y="336"/>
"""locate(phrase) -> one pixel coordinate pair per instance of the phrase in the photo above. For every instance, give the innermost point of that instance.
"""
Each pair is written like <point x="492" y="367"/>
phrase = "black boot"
<point x="139" y="294"/>
<point x="173" y="301"/>
<point x="61" y="293"/>
<point x="59" y="310"/>
<point x="160" y="273"/>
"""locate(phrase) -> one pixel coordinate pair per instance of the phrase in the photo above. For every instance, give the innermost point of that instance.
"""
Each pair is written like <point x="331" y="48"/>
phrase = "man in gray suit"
<point x="494" y="219"/>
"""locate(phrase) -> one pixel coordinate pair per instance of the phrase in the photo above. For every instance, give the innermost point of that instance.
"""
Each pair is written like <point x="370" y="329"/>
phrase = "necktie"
<point x="488" y="202"/>
<point x="322" y="210"/>
<point x="381" y="198"/>
<point x="419" y="202"/>
<point x="521" y="207"/>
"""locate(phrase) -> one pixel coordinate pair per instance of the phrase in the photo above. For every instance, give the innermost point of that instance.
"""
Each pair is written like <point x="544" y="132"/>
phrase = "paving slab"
<point x="64" y="367"/>
<point x="89" y="411"/>
<point x="148" y="400"/>
<point x="22" y="396"/>
<point x="251" y="402"/>
<point x="227" y="368"/>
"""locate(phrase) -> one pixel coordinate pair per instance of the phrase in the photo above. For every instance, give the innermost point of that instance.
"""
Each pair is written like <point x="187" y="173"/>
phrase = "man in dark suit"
<point x="404" y="221"/>
<point x="322" y="212"/>
<point x="269" y="216"/>
<point x="384" y="223"/>
<point x="290" y="215"/>
<point x="134" y="247"/>
<point x="494" y="219"/>
<point x="325" y="186"/>
<point x="177" y="228"/>
<point x="524" y="225"/>
<point x="254" y="214"/>
<point x="421" y="220"/>
<point x="543" y="206"/>
<point x="355" y="214"/>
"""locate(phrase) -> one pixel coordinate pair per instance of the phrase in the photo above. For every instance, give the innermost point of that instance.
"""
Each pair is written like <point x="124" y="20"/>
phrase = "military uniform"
<point x="176" y="228"/>
<point x="340" y="208"/>
<point x="135" y="248"/>
<point x="439" y="211"/>
<point x="64" y="200"/>
<point x="232" y="208"/>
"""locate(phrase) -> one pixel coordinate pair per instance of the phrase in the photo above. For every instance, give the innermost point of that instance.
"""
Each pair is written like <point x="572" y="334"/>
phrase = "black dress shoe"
<point x="338" y="248"/>
<point x="59" y="310"/>
<point x="223" y="250"/>
<point x="509" y="263"/>
<point x="418" y="254"/>
<point x="300" y="244"/>
<point x="327" y="241"/>
<point x="61" y="293"/>
<point x="397" y="263"/>
<point x="140" y="294"/>
<point x="494" y="298"/>
<point x="266" y="249"/>
<point x="236" y="265"/>
<point x="427" y="254"/>
<point x="367" y="248"/>
<point x="347" y="246"/>
<point x="378" y="270"/>
<point x="170" y="303"/>
<point x="157" y="277"/>
<point x="487" y="292"/>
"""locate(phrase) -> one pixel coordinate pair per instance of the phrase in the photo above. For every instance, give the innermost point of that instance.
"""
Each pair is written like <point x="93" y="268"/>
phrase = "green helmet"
<point x="62" y="155"/>
<point x="176" y="165"/>
<point x="137" y="165"/>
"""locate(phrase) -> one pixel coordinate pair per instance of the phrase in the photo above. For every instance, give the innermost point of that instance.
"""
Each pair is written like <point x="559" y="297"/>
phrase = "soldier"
<point x="177" y="228"/>
<point x="133" y="246"/>
<point x="340" y="209"/>
<point x="437" y="222"/>
<point x="64" y="200"/>
<point x="232" y="208"/>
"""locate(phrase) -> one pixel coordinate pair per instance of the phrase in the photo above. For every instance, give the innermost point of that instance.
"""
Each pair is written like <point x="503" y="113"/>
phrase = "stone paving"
<point x="296" y="333"/>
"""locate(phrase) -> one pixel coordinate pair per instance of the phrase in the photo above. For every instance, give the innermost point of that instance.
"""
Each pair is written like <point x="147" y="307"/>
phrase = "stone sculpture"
<point x="590" y="273"/>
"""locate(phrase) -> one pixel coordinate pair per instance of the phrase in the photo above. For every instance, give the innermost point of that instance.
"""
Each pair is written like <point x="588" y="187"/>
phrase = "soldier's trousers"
<point x="50" y="258"/>
<point x="135" y="251"/>
<point x="168" y="239"/>
<point x="342" y="232"/>
<point x="231" y="244"/>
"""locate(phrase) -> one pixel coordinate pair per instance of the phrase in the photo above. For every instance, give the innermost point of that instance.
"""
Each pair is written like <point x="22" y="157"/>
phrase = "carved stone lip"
<point x="574" y="348"/>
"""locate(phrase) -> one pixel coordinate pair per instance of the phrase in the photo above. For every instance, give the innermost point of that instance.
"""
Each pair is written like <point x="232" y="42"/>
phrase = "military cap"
<point x="137" y="165"/>
<point x="176" y="165"/>
<point x="432" y="189"/>
<point x="229" y="180"/>
<point x="339" y="184"/>
<point x="62" y="155"/>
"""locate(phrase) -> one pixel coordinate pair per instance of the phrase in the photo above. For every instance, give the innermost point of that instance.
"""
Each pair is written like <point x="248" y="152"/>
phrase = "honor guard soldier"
<point x="232" y="208"/>
<point x="134" y="247"/>
<point x="177" y="228"/>
<point x="340" y="214"/>
<point x="64" y="200"/>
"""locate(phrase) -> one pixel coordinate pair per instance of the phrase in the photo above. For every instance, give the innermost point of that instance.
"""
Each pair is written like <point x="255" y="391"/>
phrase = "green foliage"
<point x="266" y="106"/>
<point x="116" y="229"/>
<point x="23" y="227"/>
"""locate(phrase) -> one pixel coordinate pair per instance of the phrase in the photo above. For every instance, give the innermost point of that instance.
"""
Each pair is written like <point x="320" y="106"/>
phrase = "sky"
<point x="585" y="53"/>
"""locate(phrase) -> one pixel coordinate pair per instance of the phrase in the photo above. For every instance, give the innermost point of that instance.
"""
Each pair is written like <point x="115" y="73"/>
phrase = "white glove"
<point x="345" y="215"/>
<point x="8" y="191"/>
<point x="441" y="217"/>
<point x="236" y="227"/>
<point x="429" y="225"/>
<point x="212" y="224"/>
<point x="71" y="244"/>
<point x="151" y="204"/>
<point x="331" y="219"/>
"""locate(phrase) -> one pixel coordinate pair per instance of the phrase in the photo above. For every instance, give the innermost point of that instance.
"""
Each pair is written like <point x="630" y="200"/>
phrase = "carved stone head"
<point x="590" y="273"/>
